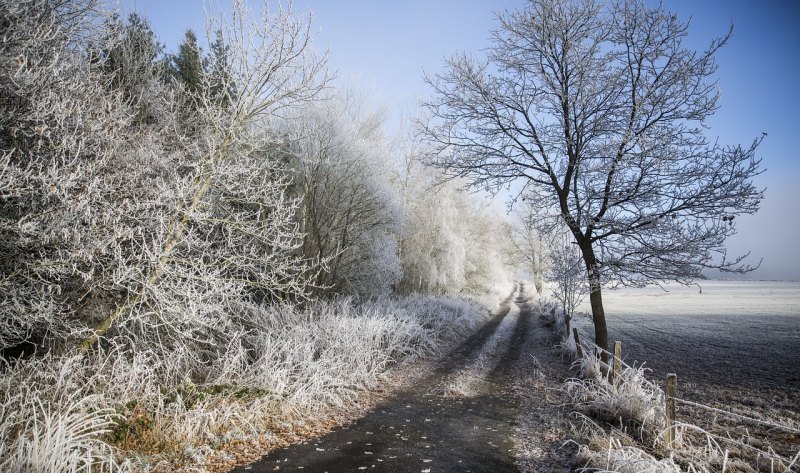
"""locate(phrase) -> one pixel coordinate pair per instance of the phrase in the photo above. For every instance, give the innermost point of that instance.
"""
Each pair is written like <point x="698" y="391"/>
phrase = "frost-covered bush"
<point x="607" y="453"/>
<point x="61" y="413"/>
<point x="622" y="398"/>
<point x="54" y="416"/>
<point x="695" y="451"/>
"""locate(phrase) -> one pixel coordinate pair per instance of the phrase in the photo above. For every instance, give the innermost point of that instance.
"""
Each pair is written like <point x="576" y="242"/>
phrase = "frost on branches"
<point x="453" y="244"/>
<point x="351" y="214"/>
<point x="598" y="110"/>
<point x="110" y="222"/>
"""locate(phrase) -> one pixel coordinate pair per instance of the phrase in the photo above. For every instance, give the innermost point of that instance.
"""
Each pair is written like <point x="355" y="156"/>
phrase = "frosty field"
<point x="735" y="346"/>
<point x="736" y="342"/>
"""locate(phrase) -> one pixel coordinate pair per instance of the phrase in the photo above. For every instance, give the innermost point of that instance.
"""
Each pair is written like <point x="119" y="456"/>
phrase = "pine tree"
<point x="222" y="88"/>
<point x="187" y="66"/>
<point x="187" y="70"/>
<point x="131" y="53"/>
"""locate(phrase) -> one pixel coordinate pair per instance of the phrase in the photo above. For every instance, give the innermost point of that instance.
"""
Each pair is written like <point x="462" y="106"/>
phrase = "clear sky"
<point x="387" y="44"/>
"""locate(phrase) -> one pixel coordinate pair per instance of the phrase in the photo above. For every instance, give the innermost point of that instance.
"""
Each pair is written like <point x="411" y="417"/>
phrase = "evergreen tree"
<point x="187" y="66"/>
<point x="131" y="53"/>
<point x="222" y="87"/>
<point x="187" y="69"/>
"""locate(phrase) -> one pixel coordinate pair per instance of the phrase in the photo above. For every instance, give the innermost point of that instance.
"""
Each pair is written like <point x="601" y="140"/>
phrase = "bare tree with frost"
<point x="599" y="110"/>
<point x="531" y="245"/>
<point x="351" y="215"/>
<point x="231" y="236"/>
<point x="547" y="249"/>
<point x="567" y="274"/>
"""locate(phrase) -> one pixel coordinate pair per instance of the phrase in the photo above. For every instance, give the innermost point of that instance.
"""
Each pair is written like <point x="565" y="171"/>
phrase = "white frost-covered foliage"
<point x="59" y="412"/>
<point x="454" y="243"/>
<point x="628" y="397"/>
<point x="232" y="236"/>
<point x="113" y="223"/>
<point x="351" y="215"/>
<point x="61" y="174"/>
<point x="51" y="421"/>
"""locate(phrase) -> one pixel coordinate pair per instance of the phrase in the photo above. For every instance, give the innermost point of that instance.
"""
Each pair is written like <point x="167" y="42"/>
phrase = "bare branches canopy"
<point x="599" y="110"/>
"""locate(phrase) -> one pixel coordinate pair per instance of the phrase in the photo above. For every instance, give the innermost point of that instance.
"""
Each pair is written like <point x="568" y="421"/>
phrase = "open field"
<point x="734" y="334"/>
<point x="735" y="346"/>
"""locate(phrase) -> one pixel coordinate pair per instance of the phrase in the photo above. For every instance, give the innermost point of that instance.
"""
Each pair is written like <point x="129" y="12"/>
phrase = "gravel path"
<point x="429" y="428"/>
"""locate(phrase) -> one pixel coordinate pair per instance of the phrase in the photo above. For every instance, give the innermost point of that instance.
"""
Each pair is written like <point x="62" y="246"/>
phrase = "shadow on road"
<point x="424" y="430"/>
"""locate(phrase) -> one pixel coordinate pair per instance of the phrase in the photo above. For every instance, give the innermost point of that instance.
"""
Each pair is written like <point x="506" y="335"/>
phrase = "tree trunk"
<point x="596" y="300"/>
<point x="599" y="318"/>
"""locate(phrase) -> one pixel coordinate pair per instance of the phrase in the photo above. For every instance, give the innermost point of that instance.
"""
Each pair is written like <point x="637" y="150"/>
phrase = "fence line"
<point x="739" y="416"/>
<point x="774" y="455"/>
<point x="669" y="395"/>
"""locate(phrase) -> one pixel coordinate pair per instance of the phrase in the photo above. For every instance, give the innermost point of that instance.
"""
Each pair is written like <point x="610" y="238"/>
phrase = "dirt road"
<point x="460" y="419"/>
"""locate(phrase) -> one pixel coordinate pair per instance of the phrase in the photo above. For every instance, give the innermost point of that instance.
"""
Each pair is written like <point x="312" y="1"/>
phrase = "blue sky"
<point x="386" y="46"/>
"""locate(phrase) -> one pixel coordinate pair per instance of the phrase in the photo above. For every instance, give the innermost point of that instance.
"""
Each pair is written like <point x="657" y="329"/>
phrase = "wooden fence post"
<point x="671" y="394"/>
<point x="578" y="349"/>
<point x="617" y="359"/>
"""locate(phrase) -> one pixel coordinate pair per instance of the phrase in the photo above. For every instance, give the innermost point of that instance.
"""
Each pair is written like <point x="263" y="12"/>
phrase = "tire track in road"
<point x="423" y="430"/>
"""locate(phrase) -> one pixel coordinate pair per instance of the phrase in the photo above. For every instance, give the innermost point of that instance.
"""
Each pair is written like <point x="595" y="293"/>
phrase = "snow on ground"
<point x="471" y="381"/>
<point x="710" y="298"/>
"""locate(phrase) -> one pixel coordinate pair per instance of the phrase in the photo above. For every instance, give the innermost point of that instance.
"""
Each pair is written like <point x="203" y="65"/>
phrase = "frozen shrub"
<point x="51" y="421"/>
<point x="614" y="457"/>
<point x="627" y="397"/>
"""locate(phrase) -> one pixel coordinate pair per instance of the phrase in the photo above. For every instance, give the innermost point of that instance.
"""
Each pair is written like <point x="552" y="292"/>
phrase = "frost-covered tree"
<point x="550" y="254"/>
<point x="112" y="221"/>
<point x="351" y="214"/>
<point x="64" y="147"/>
<point x="132" y="55"/>
<point x="531" y="246"/>
<point x="566" y="273"/>
<point x="599" y="109"/>
<point x="453" y="244"/>
<point x="187" y="69"/>
<point x="230" y="236"/>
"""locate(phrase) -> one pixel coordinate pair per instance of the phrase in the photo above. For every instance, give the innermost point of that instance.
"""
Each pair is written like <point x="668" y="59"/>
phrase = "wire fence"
<point x="753" y="420"/>
<point x="615" y="365"/>
<point x="673" y="424"/>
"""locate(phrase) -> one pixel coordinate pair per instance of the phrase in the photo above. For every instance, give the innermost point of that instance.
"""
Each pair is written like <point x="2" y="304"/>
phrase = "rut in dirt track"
<point x="425" y="429"/>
